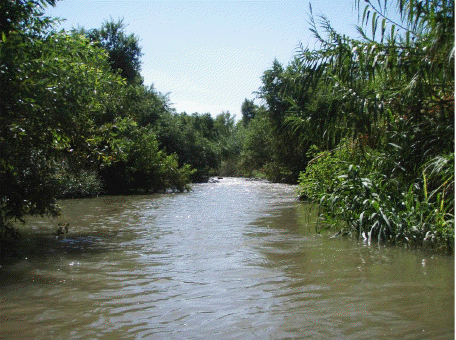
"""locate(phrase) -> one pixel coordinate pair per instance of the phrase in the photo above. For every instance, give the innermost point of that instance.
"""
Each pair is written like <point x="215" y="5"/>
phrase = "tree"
<point x="53" y="88"/>
<point x="271" y="91"/>
<point x="407" y="71"/>
<point x="147" y="105"/>
<point x="15" y="15"/>
<point x="224" y="124"/>
<point x="145" y="167"/>
<point x="258" y="144"/>
<point x="193" y="138"/>
<point x="248" y="109"/>
<point x="289" y="149"/>
<point x="392" y="91"/>
<point x="123" y="49"/>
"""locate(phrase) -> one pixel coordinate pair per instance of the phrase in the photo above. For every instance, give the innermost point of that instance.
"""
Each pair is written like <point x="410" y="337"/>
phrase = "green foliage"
<point x="65" y="115"/>
<point x="271" y="92"/>
<point x="320" y="175"/>
<point x="194" y="139"/>
<point x="229" y="143"/>
<point x="392" y="94"/>
<point x="362" y="204"/>
<point x="288" y="147"/>
<point x="377" y="206"/>
<point x="248" y="109"/>
<point x="83" y="183"/>
<point x="123" y="50"/>
<point x="52" y="89"/>
<point x="15" y="15"/>
<point x="145" y="167"/>
<point x="146" y="104"/>
<point x="325" y="171"/>
<point x="152" y="169"/>
<point x="257" y="149"/>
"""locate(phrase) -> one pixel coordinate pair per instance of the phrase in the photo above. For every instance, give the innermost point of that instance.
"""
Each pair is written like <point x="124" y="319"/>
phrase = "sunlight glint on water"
<point x="235" y="260"/>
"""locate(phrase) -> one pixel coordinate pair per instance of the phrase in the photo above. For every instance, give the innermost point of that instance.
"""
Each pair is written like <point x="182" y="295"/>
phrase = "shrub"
<point x="374" y="205"/>
<point x="84" y="183"/>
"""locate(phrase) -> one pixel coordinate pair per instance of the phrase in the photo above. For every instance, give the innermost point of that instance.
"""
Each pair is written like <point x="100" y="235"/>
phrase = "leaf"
<point x="386" y="220"/>
<point x="395" y="146"/>
<point x="361" y="218"/>
<point x="374" y="24"/>
<point x="383" y="29"/>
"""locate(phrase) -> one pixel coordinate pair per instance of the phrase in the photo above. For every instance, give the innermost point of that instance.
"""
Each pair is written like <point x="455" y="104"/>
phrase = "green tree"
<point x="53" y="87"/>
<point x="123" y="49"/>
<point x="394" y="90"/>
<point x="193" y="139"/>
<point x="288" y="148"/>
<point x="147" y="105"/>
<point x="229" y="143"/>
<point x="15" y="15"/>
<point x="271" y="93"/>
<point x="248" y="109"/>
<point x="405" y="70"/>
<point x="224" y="124"/>
<point x="258" y="144"/>
<point x="145" y="167"/>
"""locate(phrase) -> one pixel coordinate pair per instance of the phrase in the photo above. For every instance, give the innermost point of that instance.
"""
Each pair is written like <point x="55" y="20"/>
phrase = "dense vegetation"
<point x="368" y="124"/>
<point x="365" y="126"/>
<point x="75" y="117"/>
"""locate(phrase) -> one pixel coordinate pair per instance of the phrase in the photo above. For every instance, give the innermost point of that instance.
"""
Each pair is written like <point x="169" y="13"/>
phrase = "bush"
<point x="374" y="205"/>
<point x="85" y="183"/>
<point x="145" y="168"/>
<point x="322" y="173"/>
<point x="277" y="173"/>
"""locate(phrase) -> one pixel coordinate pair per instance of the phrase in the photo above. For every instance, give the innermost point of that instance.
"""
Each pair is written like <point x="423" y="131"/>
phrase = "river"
<point x="236" y="259"/>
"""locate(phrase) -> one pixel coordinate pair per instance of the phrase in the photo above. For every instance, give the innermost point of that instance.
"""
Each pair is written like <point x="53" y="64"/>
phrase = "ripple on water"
<point x="233" y="260"/>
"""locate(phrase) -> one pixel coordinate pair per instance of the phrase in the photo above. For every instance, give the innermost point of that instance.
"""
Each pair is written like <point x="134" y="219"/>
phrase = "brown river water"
<point x="236" y="259"/>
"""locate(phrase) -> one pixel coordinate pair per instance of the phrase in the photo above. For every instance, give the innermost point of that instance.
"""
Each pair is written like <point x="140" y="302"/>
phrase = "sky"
<point x="209" y="56"/>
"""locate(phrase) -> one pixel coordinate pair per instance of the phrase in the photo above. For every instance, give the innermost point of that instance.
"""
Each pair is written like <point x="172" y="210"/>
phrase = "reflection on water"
<point x="233" y="260"/>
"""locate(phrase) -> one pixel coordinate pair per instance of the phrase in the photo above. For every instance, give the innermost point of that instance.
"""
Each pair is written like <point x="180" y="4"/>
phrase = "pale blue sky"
<point x="210" y="55"/>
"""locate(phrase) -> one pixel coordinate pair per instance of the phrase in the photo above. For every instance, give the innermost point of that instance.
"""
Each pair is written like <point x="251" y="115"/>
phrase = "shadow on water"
<point x="97" y="226"/>
<point x="24" y="259"/>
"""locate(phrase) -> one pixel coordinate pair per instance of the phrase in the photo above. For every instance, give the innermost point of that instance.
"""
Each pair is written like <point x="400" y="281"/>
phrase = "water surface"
<point x="231" y="260"/>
